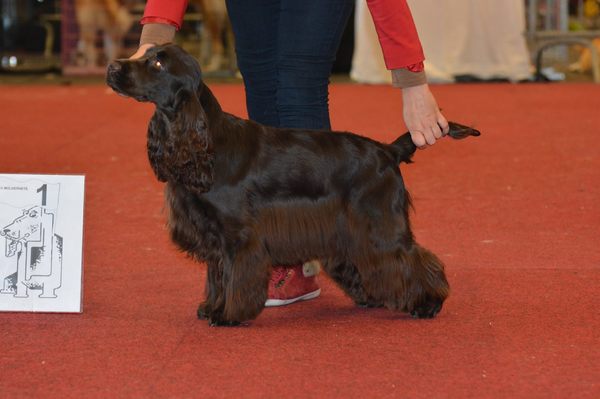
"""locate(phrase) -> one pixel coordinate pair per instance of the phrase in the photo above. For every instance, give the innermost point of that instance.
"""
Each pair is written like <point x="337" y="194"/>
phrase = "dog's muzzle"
<point x="115" y="76"/>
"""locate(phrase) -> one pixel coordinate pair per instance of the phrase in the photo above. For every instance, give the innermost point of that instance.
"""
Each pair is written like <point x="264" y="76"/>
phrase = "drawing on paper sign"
<point x="33" y="252"/>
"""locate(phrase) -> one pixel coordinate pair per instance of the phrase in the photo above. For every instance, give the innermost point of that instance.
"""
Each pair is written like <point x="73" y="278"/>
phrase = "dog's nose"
<point x="114" y="67"/>
<point x="114" y="72"/>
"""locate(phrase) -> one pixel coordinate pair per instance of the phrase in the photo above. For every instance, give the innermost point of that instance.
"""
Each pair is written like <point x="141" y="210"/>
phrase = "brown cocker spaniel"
<point x="243" y="197"/>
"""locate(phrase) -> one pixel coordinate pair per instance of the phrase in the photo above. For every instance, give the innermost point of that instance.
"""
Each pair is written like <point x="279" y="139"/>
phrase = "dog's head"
<point x="26" y="227"/>
<point x="179" y="144"/>
<point x="164" y="75"/>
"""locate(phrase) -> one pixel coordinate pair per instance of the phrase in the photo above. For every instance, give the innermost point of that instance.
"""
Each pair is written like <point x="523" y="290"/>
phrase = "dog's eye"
<point x="157" y="64"/>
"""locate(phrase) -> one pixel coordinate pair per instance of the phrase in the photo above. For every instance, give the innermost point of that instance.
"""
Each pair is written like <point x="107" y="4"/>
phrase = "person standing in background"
<point x="285" y="51"/>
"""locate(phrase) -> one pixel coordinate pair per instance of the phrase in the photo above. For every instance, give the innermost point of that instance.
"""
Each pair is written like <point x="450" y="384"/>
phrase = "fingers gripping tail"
<point x="404" y="147"/>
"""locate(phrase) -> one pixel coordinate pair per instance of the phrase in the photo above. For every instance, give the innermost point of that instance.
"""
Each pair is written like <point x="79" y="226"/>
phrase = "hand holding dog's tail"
<point x="404" y="147"/>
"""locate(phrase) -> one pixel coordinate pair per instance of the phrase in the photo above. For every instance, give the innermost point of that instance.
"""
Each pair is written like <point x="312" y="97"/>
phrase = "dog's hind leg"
<point x="347" y="277"/>
<point x="428" y="288"/>
<point x="424" y="282"/>
<point x="411" y="281"/>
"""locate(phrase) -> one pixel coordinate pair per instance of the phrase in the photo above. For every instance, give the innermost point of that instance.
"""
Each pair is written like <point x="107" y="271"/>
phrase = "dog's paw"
<point x="222" y="323"/>
<point x="369" y="304"/>
<point x="203" y="312"/>
<point x="428" y="309"/>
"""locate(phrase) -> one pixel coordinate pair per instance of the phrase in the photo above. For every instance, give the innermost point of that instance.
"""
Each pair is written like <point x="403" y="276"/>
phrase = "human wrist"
<point x="156" y="34"/>
<point x="415" y="94"/>
<point x="404" y="78"/>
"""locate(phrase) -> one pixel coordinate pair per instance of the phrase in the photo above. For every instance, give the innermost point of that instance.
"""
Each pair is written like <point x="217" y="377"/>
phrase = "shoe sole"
<point x="282" y="302"/>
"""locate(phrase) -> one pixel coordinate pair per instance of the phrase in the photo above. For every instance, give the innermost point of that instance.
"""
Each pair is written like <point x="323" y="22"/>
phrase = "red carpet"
<point x="514" y="214"/>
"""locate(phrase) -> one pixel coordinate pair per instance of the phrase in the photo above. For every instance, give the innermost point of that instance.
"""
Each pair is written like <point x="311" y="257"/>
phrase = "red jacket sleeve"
<point x="397" y="33"/>
<point x="171" y="11"/>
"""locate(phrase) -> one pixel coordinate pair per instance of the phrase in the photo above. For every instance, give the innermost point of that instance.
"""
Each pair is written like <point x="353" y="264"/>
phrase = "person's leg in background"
<point x="285" y="51"/>
<point x="255" y="25"/>
<point x="309" y="35"/>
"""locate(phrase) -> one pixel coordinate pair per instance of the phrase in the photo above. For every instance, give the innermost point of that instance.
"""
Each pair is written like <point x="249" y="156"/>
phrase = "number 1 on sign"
<point x="44" y="190"/>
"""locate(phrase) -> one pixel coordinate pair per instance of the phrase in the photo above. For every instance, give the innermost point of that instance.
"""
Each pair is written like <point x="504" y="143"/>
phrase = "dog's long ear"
<point x="179" y="145"/>
<point x="195" y="153"/>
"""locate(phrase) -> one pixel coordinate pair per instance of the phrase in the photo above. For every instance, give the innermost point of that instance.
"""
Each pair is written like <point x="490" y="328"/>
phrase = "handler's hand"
<point x="141" y="51"/>
<point x="422" y="116"/>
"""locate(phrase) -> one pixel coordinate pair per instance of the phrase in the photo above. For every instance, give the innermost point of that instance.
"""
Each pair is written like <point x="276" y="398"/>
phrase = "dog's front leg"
<point x="212" y="308"/>
<point x="213" y="290"/>
<point x="244" y="280"/>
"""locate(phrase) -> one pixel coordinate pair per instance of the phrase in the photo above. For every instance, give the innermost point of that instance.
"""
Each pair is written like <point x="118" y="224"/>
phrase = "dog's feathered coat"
<point x="243" y="197"/>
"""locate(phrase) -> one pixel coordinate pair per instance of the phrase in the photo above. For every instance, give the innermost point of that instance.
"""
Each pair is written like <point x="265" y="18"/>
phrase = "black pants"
<point x="285" y="51"/>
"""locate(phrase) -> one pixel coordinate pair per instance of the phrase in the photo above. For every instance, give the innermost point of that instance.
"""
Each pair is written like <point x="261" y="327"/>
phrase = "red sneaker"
<point x="289" y="285"/>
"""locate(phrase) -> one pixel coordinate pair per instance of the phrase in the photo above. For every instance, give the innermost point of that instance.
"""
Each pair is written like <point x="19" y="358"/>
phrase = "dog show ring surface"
<point x="513" y="214"/>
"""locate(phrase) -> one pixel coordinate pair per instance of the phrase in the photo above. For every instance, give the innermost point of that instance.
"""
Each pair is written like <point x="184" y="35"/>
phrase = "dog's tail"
<point x="404" y="147"/>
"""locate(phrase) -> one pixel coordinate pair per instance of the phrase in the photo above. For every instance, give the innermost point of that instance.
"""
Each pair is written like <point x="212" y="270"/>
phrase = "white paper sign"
<point x="41" y="241"/>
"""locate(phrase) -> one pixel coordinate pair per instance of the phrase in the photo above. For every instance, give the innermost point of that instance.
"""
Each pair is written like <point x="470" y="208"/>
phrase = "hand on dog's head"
<point x="163" y="75"/>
